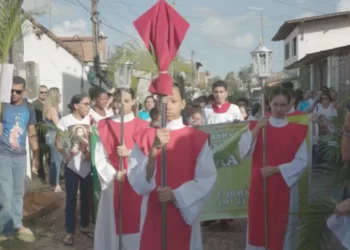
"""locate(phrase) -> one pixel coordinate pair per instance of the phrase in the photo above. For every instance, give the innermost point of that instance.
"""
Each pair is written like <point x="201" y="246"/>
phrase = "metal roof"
<point x="313" y="57"/>
<point x="290" y="25"/>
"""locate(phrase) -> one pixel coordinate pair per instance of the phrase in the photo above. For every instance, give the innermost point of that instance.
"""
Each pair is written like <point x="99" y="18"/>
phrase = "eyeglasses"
<point x="17" y="91"/>
<point x="43" y="92"/>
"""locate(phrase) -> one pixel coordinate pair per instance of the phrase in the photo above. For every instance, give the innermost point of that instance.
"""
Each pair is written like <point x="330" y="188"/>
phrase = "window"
<point x="286" y="51"/>
<point x="294" y="52"/>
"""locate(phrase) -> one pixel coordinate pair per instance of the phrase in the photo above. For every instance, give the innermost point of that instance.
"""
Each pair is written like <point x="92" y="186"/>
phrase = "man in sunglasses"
<point x="18" y="122"/>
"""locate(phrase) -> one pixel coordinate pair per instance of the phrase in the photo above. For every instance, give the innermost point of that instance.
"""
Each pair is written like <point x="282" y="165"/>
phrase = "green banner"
<point x="229" y="199"/>
<point x="95" y="180"/>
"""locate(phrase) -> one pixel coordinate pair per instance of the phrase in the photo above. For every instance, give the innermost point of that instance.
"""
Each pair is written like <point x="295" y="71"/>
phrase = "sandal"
<point x="87" y="233"/>
<point x="68" y="240"/>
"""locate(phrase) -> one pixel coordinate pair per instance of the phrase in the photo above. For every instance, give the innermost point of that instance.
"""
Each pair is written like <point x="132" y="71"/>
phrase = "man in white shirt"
<point x="220" y="111"/>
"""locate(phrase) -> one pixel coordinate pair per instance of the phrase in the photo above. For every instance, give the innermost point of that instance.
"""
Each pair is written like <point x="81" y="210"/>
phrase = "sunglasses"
<point x="43" y="92"/>
<point x="18" y="92"/>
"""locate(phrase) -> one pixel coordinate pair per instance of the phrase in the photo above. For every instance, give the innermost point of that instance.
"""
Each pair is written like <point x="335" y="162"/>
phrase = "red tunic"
<point x="182" y="153"/>
<point x="109" y="132"/>
<point x="220" y="110"/>
<point x="282" y="146"/>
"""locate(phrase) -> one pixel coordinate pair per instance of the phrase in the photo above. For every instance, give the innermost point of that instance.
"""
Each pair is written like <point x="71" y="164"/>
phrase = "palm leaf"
<point x="11" y="23"/>
<point x="313" y="233"/>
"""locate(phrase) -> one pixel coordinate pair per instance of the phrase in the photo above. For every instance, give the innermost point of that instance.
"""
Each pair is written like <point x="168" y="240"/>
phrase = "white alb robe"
<point x="340" y="226"/>
<point x="191" y="197"/>
<point x="291" y="173"/>
<point x="210" y="117"/>
<point x="106" y="237"/>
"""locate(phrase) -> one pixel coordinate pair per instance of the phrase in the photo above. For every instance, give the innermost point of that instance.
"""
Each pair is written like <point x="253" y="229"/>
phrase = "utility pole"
<point x="261" y="21"/>
<point x="95" y="34"/>
<point x="193" y="68"/>
<point x="50" y="15"/>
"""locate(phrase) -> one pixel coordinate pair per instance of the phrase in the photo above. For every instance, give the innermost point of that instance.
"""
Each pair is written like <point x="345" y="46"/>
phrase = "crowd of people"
<point x="64" y="141"/>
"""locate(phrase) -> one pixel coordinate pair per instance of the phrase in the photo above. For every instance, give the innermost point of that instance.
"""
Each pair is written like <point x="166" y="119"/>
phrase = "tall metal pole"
<point x="164" y="174"/>
<point x="95" y="34"/>
<point x="121" y="168"/>
<point x="262" y="26"/>
<point x="193" y="67"/>
<point x="50" y="15"/>
<point x="264" y="165"/>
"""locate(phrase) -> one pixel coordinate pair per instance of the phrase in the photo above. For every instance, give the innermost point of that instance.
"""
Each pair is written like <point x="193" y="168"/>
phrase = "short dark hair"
<point x="281" y="91"/>
<point x="118" y="93"/>
<point x="288" y="85"/>
<point x="75" y="100"/>
<point x="153" y="113"/>
<point x="290" y="91"/>
<point x="211" y="97"/>
<point x="19" y="80"/>
<point x="243" y="99"/>
<point x="181" y="90"/>
<point x="219" y="83"/>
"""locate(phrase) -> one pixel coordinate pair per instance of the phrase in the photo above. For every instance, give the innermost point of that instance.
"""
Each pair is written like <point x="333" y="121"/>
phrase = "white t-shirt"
<point x="97" y="117"/>
<point x="325" y="115"/>
<point x="79" y="132"/>
<point x="210" y="117"/>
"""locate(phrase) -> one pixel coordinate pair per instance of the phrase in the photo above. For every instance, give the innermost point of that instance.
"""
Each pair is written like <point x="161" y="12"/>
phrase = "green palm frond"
<point x="143" y="60"/>
<point x="42" y="128"/>
<point x="313" y="233"/>
<point x="11" y="24"/>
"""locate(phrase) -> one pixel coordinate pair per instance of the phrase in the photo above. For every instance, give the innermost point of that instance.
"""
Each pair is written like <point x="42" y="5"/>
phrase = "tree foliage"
<point x="143" y="60"/>
<point x="11" y="24"/>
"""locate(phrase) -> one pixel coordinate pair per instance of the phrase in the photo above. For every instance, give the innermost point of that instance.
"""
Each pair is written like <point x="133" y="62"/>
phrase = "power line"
<point x="119" y="31"/>
<point x="83" y="6"/>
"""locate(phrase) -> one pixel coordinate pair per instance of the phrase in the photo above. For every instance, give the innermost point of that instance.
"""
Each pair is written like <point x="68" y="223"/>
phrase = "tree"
<point x="143" y="61"/>
<point x="11" y="24"/>
<point x="232" y="82"/>
<point x="245" y="75"/>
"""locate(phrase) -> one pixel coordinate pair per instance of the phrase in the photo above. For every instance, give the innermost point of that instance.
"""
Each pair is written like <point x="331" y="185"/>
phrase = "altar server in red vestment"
<point x="220" y="111"/>
<point x="287" y="158"/>
<point x="191" y="174"/>
<point x="107" y="152"/>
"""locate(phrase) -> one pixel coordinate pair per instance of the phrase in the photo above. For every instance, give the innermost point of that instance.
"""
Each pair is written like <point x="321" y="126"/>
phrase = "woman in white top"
<point x="326" y="112"/>
<point x="74" y="147"/>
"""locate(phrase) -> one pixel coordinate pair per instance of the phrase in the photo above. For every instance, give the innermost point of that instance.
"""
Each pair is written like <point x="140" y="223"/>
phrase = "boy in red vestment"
<point x="287" y="158"/>
<point x="191" y="174"/>
<point x="107" y="152"/>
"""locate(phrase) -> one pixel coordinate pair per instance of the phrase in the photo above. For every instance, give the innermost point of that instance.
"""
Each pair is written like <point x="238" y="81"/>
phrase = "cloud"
<point x="217" y="27"/>
<point x="71" y="28"/>
<point x="43" y="7"/>
<point x="226" y="30"/>
<point x="35" y="4"/>
<point x="306" y="14"/>
<point x="343" y="5"/>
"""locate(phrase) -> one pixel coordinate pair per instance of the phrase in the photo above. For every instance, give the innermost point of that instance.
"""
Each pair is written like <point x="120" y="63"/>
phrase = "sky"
<point x="222" y="32"/>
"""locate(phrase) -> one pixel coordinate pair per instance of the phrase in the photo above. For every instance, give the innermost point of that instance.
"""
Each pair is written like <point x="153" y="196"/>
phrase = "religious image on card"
<point x="78" y="139"/>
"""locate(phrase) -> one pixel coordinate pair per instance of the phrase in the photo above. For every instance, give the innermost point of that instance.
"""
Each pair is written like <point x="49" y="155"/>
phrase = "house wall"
<point x="289" y="39"/>
<point x="57" y="68"/>
<point x="318" y="36"/>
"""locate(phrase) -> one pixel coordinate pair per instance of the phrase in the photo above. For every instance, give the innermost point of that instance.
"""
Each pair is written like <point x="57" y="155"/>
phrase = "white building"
<point x="56" y="65"/>
<point x="320" y="43"/>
